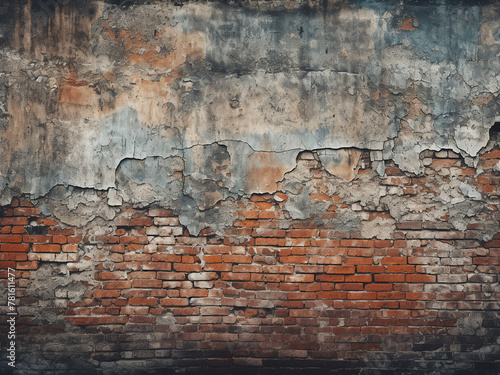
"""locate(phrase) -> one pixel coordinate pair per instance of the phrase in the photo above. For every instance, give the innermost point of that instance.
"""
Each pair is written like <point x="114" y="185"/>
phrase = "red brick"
<point x="74" y="239"/>
<point x="136" y="257"/>
<point x="171" y="276"/>
<point x="218" y="267"/>
<point x="264" y="205"/>
<point x="362" y="295"/>
<point x="85" y="321"/>
<point x="325" y="242"/>
<point x="388" y="278"/>
<point x="394" y="260"/>
<point x="495" y="154"/>
<point x="51" y="248"/>
<point x="174" y="302"/>
<point x="400" y="269"/>
<point x="134" y="240"/>
<point x="349" y="286"/>
<point x="419" y="278"/>
<point x="4" y="265"/>
<point x="358" y="260"/>
<point x="378" y="287"/>
<point x="363" y="252"/>
<point x="106" y="293"/>
<point x="212" y="310"/>
<point x="158" y="266"/>
<point x="180" y="267"/>
<point x="235" y="276"/>
<point x="7" y="229"/>
<point x="332" y="295"/>
<point x="18" y="247"/>
<point x="340" y="269"/>
<point x="304" y="313"/>
<point x="270" y="242"/>
<point x="277" y="269"/>
<point x="309" y="268"/>
<point x="11" y="238"/>
<point x="293" y="259"/>
<point x="116" y="275"/>
<point x="250" y="214"/>
<point x="357" y="243"/>
<point x="276" y="233"/>
<point x="142" y="301"/>
<point x="59" y="239"/>
<point x="143" y="222"/>
<point x="33" y="265"/>
<point x="390" y="295"/>
<point x="384" y="305"/>
<point x="330" y="278"/>
<point x="485" y="260"/>
<point x="113" y="319"/>
<point x="301" y="295"/>
<point x="246" y="223"/>
<point x="382" y="243"/>
<point x="237" y="258"/>
<point x="13" y="221"/>
<point x="26" y="211"/>
<point x="247" y="268"/>
<point x="134" y="310"/>
<point x="419" y="296"/>
<point x="445" y="163"/>
<point x="301" y="278"/>
<point x="303" y="233"/>
<point x="269" y="278"/>
<point x="186" y="311"/>
<point x="37" y="238"/>
<point x="117" y="284"/>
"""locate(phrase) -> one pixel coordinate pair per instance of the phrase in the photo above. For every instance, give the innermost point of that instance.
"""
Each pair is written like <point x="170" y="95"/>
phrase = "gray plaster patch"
<point x="379" y="228"/>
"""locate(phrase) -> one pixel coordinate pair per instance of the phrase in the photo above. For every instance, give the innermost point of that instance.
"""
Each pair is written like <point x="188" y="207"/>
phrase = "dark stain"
<point x="38" y="230"/>
<point x="301" y="31"/>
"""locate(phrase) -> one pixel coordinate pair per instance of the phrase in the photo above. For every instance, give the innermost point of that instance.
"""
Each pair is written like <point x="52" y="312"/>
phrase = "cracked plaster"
<point x="161" y="104"/>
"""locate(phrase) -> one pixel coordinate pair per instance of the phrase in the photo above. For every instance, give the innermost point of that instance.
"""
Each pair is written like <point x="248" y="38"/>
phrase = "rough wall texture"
<point x="251" y="186"/>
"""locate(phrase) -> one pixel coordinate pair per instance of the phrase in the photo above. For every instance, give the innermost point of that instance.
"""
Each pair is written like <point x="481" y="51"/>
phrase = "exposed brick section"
<point x="291" y="295"/>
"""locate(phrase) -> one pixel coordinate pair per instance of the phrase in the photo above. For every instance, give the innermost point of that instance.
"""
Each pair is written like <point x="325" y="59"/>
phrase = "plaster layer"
<point x="236" y="90"/>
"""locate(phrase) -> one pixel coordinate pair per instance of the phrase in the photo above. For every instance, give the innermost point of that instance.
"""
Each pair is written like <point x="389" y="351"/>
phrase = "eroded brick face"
<point x="273" y="294"/>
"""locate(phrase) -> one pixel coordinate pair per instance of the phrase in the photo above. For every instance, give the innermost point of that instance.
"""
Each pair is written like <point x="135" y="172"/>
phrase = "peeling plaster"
<point x="174" y="112"/>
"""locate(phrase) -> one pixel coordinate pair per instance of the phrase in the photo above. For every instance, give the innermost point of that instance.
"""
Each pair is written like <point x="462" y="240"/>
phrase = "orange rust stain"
<point x="264" y="171"/>
<point x="416" y="110"/>
<point x="407" y="24"/>
<point x="482" y="100"/>
<point x="109" y="76"/>
<point x="109" y="30"/>
<point x="72" y="78"/>
<point x="79" y="95"/>
<point x="183" y="47"/>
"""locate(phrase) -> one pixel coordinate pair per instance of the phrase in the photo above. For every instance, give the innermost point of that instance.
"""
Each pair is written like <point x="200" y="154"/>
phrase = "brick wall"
<point x="138" y="294"/>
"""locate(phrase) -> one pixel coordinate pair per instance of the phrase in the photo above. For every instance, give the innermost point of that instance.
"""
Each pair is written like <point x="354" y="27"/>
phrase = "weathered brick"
<point x="49" y="248"/>
<point x="340" y="269"/>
